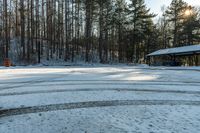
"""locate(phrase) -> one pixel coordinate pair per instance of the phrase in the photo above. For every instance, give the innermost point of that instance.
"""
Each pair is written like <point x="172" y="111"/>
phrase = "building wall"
<point x="193" y="60"/>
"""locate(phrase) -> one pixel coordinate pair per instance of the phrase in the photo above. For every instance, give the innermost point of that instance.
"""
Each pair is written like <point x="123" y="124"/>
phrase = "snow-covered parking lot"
<point x="98" y="99"/>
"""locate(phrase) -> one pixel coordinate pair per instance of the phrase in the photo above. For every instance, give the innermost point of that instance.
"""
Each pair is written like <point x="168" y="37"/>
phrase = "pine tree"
<point x="105" y="8"/>
<point x="139" y="14"/>
<point x="22" y="24"/>
<point x="119" y="20"/>
<point x="175" y="14"/>
<point x="5" y="6"/>
<point x="89" y="10"/>
<point x="191" y="25"/>
<point x="1" y="31"/>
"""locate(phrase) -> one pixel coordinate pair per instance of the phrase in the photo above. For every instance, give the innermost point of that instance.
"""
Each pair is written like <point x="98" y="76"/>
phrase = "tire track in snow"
<point x="100" y="89"/>
<point x="25" y="83"/>
<point x="139" y="83"/>
<point x="131" y="84"/>
<point x="50" y="81"/>
<point x="93" y="104"/>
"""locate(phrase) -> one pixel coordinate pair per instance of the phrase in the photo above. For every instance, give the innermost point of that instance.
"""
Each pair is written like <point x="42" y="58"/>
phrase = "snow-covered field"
<point x="99" y="99"/>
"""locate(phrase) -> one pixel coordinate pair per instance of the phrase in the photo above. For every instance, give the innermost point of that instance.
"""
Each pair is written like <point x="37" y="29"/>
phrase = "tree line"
<point x="102" y="31"/>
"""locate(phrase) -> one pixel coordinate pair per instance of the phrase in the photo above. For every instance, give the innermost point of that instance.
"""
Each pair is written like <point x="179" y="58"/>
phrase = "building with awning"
<point x="174" y="55"/>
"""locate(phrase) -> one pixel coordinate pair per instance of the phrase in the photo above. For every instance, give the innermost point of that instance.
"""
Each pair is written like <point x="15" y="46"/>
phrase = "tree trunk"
<point x="6" y="28"/>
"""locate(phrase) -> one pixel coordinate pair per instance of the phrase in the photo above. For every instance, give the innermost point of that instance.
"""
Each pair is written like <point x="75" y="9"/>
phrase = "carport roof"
<point x="178" y="51"/>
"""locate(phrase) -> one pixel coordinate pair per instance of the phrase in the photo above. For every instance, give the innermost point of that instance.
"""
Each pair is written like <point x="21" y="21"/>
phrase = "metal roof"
<point x="186" y="50"/>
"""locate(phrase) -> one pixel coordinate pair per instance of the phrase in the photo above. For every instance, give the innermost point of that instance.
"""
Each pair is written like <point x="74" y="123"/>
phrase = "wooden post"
<point x="196" y="60"/>
<point x="7" y="62"/>
<point x="149" y="60"/>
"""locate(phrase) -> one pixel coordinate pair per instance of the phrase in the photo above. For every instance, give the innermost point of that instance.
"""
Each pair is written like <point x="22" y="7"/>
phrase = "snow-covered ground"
<point x="98" y="99"/>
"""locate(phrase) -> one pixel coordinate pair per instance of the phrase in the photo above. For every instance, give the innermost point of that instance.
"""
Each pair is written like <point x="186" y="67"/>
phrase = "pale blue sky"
<point x="156" y="5"/>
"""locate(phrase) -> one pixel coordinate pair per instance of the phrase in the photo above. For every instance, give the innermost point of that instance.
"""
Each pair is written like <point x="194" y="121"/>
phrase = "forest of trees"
<point x="102" y="31"/>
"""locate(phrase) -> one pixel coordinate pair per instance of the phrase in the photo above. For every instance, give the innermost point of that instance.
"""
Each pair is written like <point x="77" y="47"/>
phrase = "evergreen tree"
<point x="139" y="17"/>
<point x="119" y="21"/>
<point x="175" y="15"/>
<point x="191" y="25"/>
